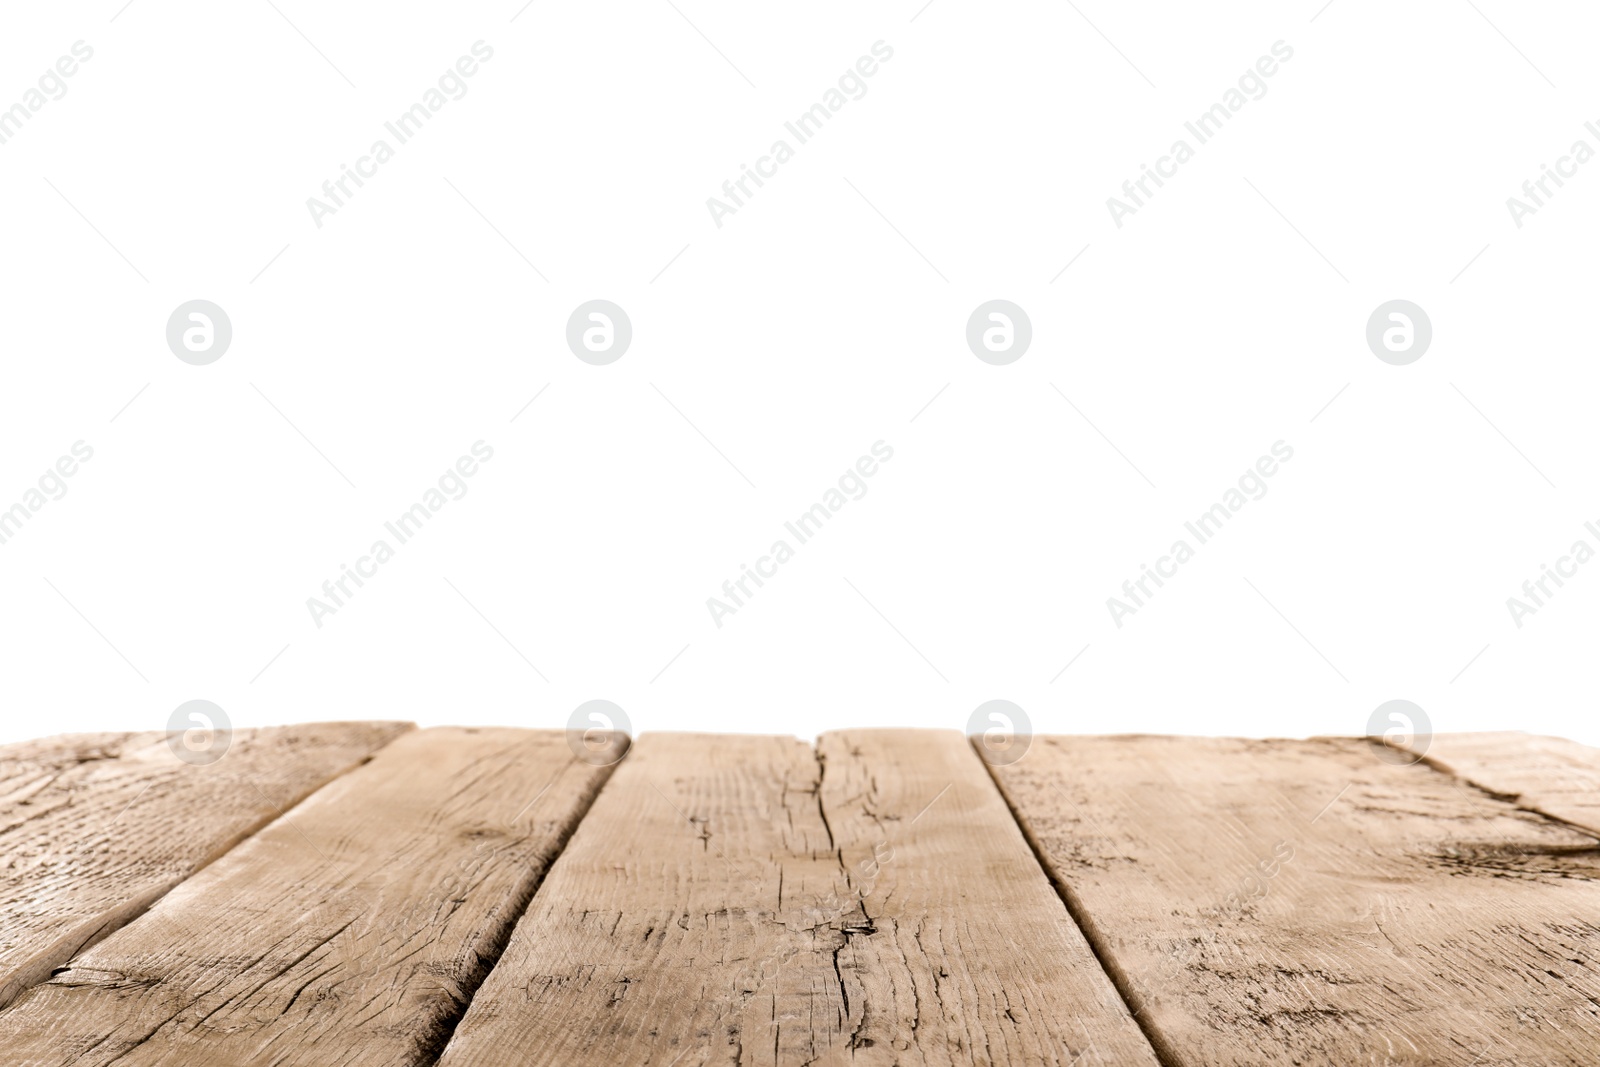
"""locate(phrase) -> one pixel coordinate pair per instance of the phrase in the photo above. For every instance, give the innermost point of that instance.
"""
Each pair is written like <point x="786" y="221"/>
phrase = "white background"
<point x="822" y="317"/>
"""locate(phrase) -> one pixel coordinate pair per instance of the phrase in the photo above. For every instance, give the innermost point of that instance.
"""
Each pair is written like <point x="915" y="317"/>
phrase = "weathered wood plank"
<point x="95" y="827"/>
<point x="1546" y="774"/>
<point x="751" y="900"/>
<point x="1308" y="903"/>
<point x="351" y="932"/>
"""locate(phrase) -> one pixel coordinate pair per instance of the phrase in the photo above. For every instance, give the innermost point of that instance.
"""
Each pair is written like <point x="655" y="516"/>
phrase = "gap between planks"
<point x="1165" y="1053"/>
<point x="1510" y="767"/>
<point x="1420" y="921"/>
<point x="354" y="933"/>
<point x="127" y="821"/>
<point x="758" y="900"/>
<point x="1490" y="780"/>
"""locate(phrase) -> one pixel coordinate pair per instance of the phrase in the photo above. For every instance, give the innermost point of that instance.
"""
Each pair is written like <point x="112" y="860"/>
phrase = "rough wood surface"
<point x="750" y="900"/>
<point x="1283" y="902"/>
<point x="96" y="827"/>
<point x="757" y="900"/>
<point x="351" y="932"/>
<point x="1547" y="774"/>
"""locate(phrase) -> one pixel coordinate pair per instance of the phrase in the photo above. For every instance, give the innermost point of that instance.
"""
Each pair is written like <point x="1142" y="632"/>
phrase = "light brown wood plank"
<point x="1305" y="902"/>
<point x="351" y="932"/>
<point x="739" y="900"/>
<point x="95" y="827"/>
<point x="1546" y="774"/>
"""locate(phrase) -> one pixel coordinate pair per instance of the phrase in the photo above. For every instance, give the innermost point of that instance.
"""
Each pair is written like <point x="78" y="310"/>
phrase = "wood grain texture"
<point x="1307" y="903"/>
<point x="96" y="827"/>
<point x="1551" y="775"/>
<point x="752" y="900"/>
<point x="351" y="932"/>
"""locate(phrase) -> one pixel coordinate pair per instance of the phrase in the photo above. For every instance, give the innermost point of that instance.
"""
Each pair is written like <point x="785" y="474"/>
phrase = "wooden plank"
<point x="1551" y="775"/>
<point x="1308" y="903"/>
<point x="96" y="827"/>
<point x="752" y="900"/>
<point x="351" y="932"/>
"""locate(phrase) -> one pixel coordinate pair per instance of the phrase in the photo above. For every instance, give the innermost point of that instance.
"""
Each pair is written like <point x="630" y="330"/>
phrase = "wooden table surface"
<point x="371" y="894"/>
